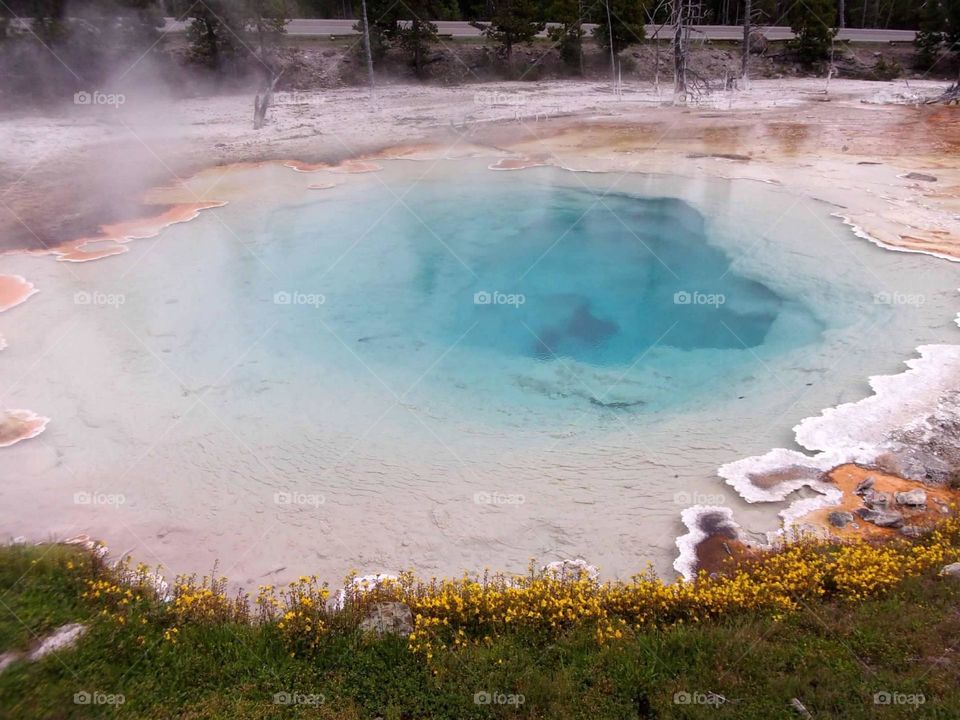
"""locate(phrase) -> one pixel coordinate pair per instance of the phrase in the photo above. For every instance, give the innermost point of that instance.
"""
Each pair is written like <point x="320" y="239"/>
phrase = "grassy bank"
<point x="886" y="650"/>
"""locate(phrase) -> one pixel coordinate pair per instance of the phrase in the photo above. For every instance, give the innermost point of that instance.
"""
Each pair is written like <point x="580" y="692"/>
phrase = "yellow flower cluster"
<point x="299" y="611"/>
<point x="207" y="601"/>
<point x="455" y="613"/>
<point x="119" y="591"/>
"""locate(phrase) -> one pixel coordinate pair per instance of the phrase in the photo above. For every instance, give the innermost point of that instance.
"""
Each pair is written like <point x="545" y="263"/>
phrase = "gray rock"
<point x="911" y="531"/>
<point x="913" y="498"/>
<point x="915" y="464"/>
<point x="952" y="570"/>
<point x="800" y="709"/>
<point x="812" y="531"/>
<point x="64" y="637"/>
<point x="881" y="518"/>
<point x="388" y="618"/>
<point x="839" y="518"/>
<point x="873" y="497"/>
<point x="8" y="658"/>
<point x="866" y="484"/>
<point x="920" y="176"/>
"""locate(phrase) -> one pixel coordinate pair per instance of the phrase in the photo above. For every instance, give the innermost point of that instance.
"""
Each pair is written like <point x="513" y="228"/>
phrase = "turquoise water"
<point x="504" y="285"/>
<point x="607" y="398"/>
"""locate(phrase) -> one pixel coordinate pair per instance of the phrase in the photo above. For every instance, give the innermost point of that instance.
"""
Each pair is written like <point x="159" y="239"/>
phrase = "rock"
<point x="812" y="531"/>
<point x="952" y="571"/>
<point x="881" y="518"/>
<point x="572" y="570"/>
<point x="911" y="531"/>
<point x="62" y="638"/>
<point x="920" y="176"/>
<point x="866" y="484"/>
<point x="7" y="659"/>
<point x="800" y="709"/>
<point x="388" y="618"/>
<point x="840" y="519"/>
<point x="912" y="498"/>
<point x="873" y="497"/>
<point x="915" y="464"/>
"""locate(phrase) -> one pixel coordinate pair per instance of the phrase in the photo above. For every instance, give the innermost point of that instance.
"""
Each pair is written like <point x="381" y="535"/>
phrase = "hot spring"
<point x="438" y="366"/>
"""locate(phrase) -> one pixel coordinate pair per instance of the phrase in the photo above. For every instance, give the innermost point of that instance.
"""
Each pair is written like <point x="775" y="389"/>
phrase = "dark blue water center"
<point x="502" y="275"/>
<point x="601" y="281"/>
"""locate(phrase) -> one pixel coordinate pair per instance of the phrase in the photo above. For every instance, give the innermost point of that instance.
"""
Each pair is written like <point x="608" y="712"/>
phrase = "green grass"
<point x="834" y="657"/>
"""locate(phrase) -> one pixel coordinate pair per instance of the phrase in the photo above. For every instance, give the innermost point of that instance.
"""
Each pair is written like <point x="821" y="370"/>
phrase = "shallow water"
<point x="443" y="367"/>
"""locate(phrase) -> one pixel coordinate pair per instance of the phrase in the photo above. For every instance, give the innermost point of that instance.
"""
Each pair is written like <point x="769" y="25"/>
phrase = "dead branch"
<point x="950" y="96"/>
<point x="262" y="102"/>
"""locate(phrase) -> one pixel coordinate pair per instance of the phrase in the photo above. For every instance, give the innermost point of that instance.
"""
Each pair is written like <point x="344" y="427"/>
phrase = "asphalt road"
<point x="459" y="29"/>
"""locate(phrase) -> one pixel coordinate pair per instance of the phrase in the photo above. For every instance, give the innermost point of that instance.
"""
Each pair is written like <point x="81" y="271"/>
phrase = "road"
<point x="459" y="29"/>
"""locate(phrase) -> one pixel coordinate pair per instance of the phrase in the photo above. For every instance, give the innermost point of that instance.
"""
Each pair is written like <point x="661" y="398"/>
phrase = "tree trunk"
<point x="417" y="48"/>
<point x="261" y="103"/>
<point x="613" y="65"/>
<point x="212" y="43"/>
<point x="579" y="30"/>
<point x="679" y="52"/>
<point x="842" y="14"/>
<point x="366" y="41"/>
<point x="747" y="11"/>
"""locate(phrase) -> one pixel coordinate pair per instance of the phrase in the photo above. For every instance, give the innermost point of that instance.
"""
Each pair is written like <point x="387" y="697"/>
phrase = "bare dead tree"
<point x="747" y="12"/>
<point x="652" y="13"/>
<point x="366" y="42"/>
<point x="261" y="103"/>
<point x="951" y="96"/>
<point x="580" y="30"/>
<point x="613" y="65"/>
<point x="679" y="52"/>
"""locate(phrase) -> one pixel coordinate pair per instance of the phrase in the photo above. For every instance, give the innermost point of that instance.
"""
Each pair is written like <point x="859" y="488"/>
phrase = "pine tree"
<point x="628" y="20"/>
<point x="514" y="22"/>
<point x="952" y="29"/>
<point x="813" y="23"/>
<point x="931" y="25"/>
<point x="221" y="31"/>
<point x="568" y="34"/>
